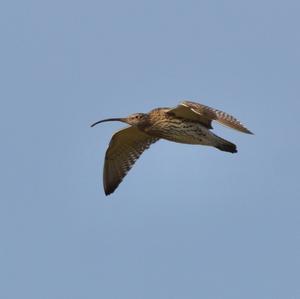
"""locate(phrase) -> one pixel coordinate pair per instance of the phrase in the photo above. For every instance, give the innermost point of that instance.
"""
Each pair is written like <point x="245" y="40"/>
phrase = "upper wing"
<point x="205" y="115"/>
<point x="124" y="149"/>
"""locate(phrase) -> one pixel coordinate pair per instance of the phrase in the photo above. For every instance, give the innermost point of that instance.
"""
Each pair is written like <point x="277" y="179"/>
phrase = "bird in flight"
<point x="188" y="123"/>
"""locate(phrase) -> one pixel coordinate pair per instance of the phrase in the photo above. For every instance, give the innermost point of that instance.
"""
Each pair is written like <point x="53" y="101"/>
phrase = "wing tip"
<point x="109" y="189"/>
<point x="108" y="192"/>
<point x="246" y="131"/>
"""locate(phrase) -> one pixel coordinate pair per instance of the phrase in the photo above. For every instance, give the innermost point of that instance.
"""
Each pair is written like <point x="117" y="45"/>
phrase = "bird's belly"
<point x="187" y="132"/>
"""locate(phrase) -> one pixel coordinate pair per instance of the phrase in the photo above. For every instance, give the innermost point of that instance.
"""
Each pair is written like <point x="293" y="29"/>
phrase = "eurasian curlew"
<point x="189" y="123"/>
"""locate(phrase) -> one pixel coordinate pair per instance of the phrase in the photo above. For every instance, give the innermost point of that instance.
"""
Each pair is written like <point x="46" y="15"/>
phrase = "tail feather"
<point x="226" y="146"/>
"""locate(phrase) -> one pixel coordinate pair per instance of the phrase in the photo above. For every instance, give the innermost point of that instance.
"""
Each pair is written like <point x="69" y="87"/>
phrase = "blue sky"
<point x="187" y="221"/>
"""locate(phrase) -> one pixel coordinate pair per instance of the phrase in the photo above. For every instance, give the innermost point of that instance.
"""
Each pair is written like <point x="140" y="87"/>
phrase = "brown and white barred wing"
<point x="124" y="149"/>
<point x="206" y="114"/>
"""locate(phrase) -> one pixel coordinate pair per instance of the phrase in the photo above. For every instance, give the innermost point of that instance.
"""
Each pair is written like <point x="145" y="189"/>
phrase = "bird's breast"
<point x="181" y="131"/>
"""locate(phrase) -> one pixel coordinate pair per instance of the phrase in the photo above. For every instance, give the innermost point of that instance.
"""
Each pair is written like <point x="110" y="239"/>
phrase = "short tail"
<point x="225" y="146"/>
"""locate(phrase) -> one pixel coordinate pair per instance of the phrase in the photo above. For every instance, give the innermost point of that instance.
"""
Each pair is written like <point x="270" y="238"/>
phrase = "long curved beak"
<point x="108" y="119"/>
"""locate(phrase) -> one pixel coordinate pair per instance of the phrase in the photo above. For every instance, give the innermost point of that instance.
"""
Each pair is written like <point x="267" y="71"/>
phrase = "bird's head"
<point x="133" y="119"/>
<point x="136" y="119"/>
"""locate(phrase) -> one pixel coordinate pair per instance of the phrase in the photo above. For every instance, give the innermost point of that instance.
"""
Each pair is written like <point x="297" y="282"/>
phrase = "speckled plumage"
<point x="188" y="123"/>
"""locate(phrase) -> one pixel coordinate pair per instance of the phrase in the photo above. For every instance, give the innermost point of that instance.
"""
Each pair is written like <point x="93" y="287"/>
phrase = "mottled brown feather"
<point x="124" y="149"/>
<point x="205" y="115"/>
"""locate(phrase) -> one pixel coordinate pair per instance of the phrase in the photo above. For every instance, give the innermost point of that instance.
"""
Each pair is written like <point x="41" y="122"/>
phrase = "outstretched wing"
<point x="124" y="149"/>
<point x="205" y="115"/>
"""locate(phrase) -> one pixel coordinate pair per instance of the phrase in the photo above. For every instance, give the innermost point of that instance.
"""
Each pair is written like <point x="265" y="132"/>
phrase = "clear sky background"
<point x="188" y="221"/>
